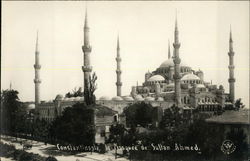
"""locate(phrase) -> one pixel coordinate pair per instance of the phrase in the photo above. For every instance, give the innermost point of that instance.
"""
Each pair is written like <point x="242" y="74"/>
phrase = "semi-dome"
<point x="190" y="77"/>
<point x="117" y="98"/>
<point x="167" y="63"/>
<point x="156" y="78"/>
<point x="59" y="97"/>
<point x="149" y="98"/>
<point x="103" y="98"/>
<point x="128" y="98"/>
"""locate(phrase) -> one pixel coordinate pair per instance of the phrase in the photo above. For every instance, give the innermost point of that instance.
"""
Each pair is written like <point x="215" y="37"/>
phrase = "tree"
<point x="12" y="111"/>
<point x="139" y="114"/>
<point x="238" y="104"/>
<point x="238" y="137"/>
<point x="173" y="118"/>
<point x="116" y="133"/>
<point x="90" y="87"/>
<point x="75" y="93"/>
<point x="75" y="126"/>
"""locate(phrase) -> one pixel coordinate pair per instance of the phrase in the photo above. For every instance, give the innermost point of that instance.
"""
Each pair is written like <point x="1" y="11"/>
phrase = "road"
<point x="50" y="150"/>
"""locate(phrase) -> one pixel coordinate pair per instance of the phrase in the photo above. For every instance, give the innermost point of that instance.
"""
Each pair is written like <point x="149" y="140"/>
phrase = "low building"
<point x="233" y="120"/>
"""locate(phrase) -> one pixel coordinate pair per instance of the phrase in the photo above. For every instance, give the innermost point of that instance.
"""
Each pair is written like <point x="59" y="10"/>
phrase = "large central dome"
<point x="169" y="63"/>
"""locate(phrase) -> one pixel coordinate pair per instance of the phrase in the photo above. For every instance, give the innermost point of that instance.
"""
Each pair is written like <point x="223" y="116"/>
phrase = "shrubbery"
<point x="9" y="151"/>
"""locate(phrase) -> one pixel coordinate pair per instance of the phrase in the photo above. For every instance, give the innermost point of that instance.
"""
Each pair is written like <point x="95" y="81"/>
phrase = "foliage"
<point x="75" y="126"/>
<point x="90" y="87"/>
<point x="208" y="137"/>
<point x="10" y="151"/>
<point x="172" y="118"/>
<point x="139" y="114"/>
<point x="51" y="158"/>
<point x="12" y="110"/>
<point x="238" y="104"/>
<point x="75" y="93"/>
<point x="40" y="129"/>
<point x="238" y="137"/>
<point x="116" y="133"/>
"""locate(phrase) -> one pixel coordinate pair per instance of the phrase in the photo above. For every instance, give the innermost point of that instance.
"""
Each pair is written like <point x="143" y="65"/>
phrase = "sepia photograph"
<point x="125" y="81"/>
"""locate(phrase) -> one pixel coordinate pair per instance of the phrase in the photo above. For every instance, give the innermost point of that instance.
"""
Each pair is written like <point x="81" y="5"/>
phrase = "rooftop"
<point x="231" y="117"/>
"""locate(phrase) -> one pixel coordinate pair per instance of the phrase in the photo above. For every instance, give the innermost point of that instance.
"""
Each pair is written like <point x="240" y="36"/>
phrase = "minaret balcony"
<point x="118" y="83"/>
<point x="37" y="80"/>
<point x="231" y="80"/>
<point x="37" y="66"/>
<point x="176" y="45"/>
<point x="177" y="60"/>
<point x="118" y="59"/>
<point x="176" y="76"/>
<point x="118" y="71"/>
<point x="231" y="67"/>
<point x="230" y="53"/>
<point x="87" y="48"/>
<point x="87" y="68"/>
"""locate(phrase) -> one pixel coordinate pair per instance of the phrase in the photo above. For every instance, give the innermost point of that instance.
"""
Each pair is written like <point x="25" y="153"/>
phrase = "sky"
<point x="144" y="29"/>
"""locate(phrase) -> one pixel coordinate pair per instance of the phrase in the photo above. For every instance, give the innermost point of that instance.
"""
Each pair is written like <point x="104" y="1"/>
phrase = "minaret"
<point x="37" y="79"/>
<point x="231" y="79"/>
<point x="169" y="54"/>
<point x="10" y="85"/>
<point x="86" y="48"/>
<point x="177" y="62"/>
<point x="118" y="69"/>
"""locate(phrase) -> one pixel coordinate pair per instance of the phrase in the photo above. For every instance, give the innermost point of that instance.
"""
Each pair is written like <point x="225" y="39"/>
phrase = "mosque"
<point x="173" y="82"/>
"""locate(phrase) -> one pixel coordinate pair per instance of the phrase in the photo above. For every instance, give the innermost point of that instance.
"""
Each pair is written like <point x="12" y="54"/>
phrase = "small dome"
<point x="128" y="98"/>
<point x="156" y="78"/>
<point x="149" y="98"/>
<point x="79" y="98"/>
<point x="160" y="99"/>
<point x="31" y="106"/>
<point x="170" y="85"/>
<point x="200" y="86"/>
<point x="59" y="97"/>
<point x="117" y="98"/>
<point x="190" y="77"/>
<point x="139" y="98"/>
<point x="66" y="99"/>
<point x="71" y="98"/>
<point x="103" y="98"/>
<point x="76" y="99"/>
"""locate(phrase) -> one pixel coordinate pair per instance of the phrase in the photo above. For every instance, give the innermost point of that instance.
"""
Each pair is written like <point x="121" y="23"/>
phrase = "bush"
<point x="9" y="151"/>
<point x="50" y="158"/>
<point x="24" y="156"/>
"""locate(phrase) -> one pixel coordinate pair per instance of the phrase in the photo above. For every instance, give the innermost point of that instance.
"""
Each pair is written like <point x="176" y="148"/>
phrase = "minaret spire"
<point x="169" y="54"/>
<point x="10" y="85"/>
<point x="177" y="62"/>
<point x="86" y="48"/>
<point x="231" y="79"/>
<point x="37" y="68"/>
<point x="118" y="68"/>
<point x="86" y="18"/>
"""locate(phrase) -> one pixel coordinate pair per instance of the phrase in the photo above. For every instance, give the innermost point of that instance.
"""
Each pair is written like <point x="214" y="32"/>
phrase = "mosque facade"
<point x="173" y="83"/>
